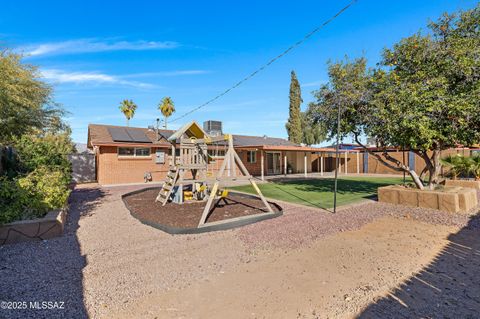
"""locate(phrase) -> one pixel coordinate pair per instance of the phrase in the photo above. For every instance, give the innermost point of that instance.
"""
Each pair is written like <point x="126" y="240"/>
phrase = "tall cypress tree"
<point x="294" y="124"/>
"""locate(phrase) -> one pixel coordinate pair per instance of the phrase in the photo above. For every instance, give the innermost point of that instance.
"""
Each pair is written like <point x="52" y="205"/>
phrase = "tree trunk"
<point x="165" y="122"/>
<point x="416" y="179"/>
<point x="435" y="170"/>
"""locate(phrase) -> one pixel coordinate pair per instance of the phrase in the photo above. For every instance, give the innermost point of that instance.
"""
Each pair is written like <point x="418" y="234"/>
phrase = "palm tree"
<point x="167" y="108"/>
<point x="475" y="166"/>
<point x="458" y="164"/>
<point x="128" y="109"/>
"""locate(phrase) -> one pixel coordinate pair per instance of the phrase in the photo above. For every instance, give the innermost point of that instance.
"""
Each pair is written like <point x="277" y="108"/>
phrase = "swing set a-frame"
<point x="192" y="142"/>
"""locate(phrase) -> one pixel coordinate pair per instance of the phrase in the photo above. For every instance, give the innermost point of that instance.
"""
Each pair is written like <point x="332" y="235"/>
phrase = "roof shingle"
<point x="98" y="134"/>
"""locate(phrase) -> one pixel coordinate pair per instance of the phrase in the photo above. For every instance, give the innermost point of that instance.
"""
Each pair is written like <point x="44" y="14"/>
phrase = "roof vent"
<point x="213" y="128"/>
<point x="265" y="136"/>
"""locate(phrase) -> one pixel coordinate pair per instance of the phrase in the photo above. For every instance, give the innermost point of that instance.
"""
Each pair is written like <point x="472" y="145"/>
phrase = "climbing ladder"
<point x="168" y="185"/>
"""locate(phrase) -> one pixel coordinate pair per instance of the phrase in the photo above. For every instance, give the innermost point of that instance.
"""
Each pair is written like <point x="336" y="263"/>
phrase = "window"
<point x="216" y="153"/>
<point x="142" y="151"/>
<point x="177" y="152"/>
<point x="126" y="151"/>
<point x="134" y="151"/>
<point x="251" y="156"/>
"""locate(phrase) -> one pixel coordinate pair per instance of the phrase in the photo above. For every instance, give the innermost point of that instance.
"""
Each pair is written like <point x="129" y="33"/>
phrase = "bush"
<point x="459" y="165"/>
<point x="33" y="195"/>
<point x="13" y="201"/>
<point x="475" y="166"/>
<point x="50" y="150"/>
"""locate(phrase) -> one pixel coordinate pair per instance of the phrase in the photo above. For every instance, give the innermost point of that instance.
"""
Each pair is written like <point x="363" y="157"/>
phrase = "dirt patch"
<point x="316" y="264"/>
<point x="336" y="277"/>
<point x="143" y="206"/>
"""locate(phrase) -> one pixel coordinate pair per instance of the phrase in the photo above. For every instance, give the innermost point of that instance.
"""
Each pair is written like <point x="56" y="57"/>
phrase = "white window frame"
<point x="254" y="157"/>
<point x="216" y="156"/>
<point x="134" y="152"/>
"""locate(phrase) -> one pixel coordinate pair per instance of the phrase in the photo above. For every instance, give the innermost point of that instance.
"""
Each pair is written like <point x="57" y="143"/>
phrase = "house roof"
<point x="245" y="140"/>
<point x="99" y="134"/>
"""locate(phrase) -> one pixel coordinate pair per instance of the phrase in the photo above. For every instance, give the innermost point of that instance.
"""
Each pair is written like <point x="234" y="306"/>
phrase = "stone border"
<point x="208" y="227"/>
<point x="462" y="183"/>
<point x="451" y="199"/>
<point x="50" y="226"/>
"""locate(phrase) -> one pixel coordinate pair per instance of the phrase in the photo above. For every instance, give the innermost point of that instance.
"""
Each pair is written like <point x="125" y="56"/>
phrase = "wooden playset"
<point x="188" y="177"/>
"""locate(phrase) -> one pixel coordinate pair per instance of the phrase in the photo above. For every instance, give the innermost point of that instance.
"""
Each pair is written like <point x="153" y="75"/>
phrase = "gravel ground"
<point x="107" y="259"/>
<point x="300" y="226"/>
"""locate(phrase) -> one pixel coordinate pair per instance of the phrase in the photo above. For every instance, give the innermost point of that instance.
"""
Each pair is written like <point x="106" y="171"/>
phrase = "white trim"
<point x="134" y="152"/>
<point x="255" y="157"/>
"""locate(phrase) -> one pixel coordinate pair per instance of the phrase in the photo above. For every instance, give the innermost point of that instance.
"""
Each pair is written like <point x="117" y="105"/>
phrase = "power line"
<point x="263" y="67"/>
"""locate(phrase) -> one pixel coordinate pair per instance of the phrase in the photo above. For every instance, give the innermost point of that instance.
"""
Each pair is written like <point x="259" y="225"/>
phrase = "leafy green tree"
<point x="128" y="108"/>
<point x="48" y="150"/>
<point x="312" y="133"/>
<point x="25" y="100"/>
<point x="167" y="107"/>
<point x="294" y="124"/>
<point x="423" y="95"/>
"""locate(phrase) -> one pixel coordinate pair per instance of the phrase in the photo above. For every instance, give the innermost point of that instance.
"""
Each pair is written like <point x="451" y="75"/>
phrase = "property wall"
<point x="373" y="165"/>
<point x="376" y="167"/>
<point x="83" y="167"/>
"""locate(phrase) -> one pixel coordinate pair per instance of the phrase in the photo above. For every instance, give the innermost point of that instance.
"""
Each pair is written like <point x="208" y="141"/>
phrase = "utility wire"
<point x="263" y="67"/>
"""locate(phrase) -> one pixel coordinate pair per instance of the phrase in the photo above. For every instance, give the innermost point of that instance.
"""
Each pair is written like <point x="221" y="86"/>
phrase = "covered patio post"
<point x="305" y="163"/>
<point x="285" y="164"/>
<point x="262" y="165"/>
<point x="346" y="160"/>
<point x="321" y="165"/>
<point x="358" y="162"/>
<point x="318" y="162"/>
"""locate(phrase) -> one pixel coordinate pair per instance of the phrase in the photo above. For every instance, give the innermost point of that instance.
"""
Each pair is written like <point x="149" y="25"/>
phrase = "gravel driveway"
<point x="107" y="259"/>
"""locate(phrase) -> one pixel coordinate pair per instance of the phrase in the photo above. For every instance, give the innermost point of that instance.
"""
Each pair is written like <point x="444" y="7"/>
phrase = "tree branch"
<point x="380" y="159"/>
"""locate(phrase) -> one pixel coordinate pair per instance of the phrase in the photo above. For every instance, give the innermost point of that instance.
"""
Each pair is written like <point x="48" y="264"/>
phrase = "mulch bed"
<point x="142" y="205"/>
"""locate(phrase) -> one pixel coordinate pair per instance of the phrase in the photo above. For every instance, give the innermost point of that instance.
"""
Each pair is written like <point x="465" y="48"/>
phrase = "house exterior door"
<point x="273" y="163"/>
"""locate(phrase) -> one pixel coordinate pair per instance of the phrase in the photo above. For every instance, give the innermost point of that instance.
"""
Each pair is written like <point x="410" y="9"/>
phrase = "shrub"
<point x="49" y="186"/>
<point x="459" y="165"/>
<point x="33" y="195"/>
<point x="13" y="200"/>
<point x="48" y="150"/>
<point x="475" y="166"/>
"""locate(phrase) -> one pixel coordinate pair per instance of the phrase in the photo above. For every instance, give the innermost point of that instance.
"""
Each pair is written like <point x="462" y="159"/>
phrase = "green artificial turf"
<point x="319" y="192"/>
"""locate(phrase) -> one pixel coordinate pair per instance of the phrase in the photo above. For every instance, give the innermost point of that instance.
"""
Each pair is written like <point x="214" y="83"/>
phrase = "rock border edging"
<point x="47" y="227"/>
<point x="207" y="228"/>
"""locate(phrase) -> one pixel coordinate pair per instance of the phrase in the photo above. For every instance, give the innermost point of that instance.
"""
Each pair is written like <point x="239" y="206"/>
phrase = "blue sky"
<point x="97" y="53"/>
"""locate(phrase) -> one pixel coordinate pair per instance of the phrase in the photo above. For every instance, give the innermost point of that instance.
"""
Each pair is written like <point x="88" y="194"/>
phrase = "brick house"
<point x="124" y="154"/>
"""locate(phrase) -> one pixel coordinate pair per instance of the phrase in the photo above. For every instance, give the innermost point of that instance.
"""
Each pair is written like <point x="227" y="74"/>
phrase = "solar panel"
<point x="119" y="134"/>
<point x="138" y="135"/>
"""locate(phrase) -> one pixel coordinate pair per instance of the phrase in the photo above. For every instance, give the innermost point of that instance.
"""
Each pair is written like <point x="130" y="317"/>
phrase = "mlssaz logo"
<point x="47" y="305"/>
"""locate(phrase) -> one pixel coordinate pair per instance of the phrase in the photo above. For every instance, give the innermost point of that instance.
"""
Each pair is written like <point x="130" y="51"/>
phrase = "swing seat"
<point x="223" y="193"/>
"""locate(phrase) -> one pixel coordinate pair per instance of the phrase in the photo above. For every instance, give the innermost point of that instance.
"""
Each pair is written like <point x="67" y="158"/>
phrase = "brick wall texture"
<point x="114" y="169"/>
